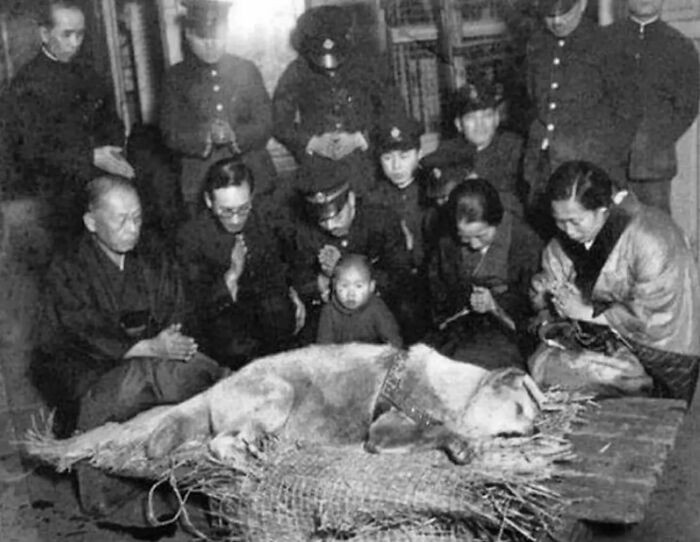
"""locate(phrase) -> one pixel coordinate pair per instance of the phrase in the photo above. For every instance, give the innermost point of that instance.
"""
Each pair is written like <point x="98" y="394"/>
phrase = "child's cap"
<point x="397" y="132"/>
<point x="479" y="93"/>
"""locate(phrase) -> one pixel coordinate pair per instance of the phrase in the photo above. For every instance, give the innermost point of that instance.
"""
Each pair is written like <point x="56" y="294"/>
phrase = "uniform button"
<point x="214" y="73"/>
<point x="556" y="61"/>
<point x="552" y="105"/>
<point x="219" y="107"/>
<point x="344" y="243"/>
<point x="555" y="85"/>
<point x="550" y="127"/>
<point x="561" y="43"/>
<point x="216" y="88"/>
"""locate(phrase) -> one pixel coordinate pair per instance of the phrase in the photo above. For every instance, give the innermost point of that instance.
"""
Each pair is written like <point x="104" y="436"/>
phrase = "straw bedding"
<point x="305" y="491"/>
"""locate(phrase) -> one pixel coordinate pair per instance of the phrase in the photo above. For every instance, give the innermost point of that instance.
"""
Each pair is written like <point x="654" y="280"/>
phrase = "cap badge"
<point x="319" y="198"/>
<point x="395" y="133"/>
<point x="328" y="44"/>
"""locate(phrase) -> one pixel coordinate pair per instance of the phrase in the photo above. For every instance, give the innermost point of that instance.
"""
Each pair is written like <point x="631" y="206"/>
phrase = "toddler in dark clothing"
<point x="354" y="312"/>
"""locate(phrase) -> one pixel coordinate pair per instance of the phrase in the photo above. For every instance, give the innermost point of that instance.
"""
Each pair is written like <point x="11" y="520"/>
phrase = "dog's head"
<point x="505" y="404"/>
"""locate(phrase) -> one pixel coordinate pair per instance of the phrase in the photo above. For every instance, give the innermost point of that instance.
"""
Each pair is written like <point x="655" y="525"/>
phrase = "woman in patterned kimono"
<point x="625" y="271"/>
<point x="479" y="276"/>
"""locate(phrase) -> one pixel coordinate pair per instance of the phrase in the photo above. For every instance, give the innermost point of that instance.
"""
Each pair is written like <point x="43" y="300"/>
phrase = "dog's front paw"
<point x="458" y="450"/>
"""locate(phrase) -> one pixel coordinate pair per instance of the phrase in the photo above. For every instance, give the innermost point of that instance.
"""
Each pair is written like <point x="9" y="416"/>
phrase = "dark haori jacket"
<point x="499" y="163"/>
<point x="584" y="97"/>
<point x="376" y="233"/>
<point x="204" y="251"/>
<point x="52" y="117"/>
<point x="194" y="95"/>
<point x="308" y="103"/>
<point x="372" y="323"/>
<point x="666" y="71"/>
<point x="410" y="204"/>
<point x="506" y="269"/>
<point x="95" y="313"/>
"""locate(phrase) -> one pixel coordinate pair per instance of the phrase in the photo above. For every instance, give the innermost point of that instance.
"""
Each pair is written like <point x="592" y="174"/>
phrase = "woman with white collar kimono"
<point x="479" y="274"/>
<point x="626" y="272"/>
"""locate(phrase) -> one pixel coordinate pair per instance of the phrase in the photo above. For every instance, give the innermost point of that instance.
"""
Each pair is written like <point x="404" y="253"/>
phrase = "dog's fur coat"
<point x="329" y="394"/>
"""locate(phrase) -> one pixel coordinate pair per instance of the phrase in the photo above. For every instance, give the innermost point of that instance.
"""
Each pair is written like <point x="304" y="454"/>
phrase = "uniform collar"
<point x="644" y="24"/>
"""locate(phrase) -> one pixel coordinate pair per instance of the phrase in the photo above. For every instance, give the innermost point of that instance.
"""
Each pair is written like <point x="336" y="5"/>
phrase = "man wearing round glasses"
<point x="235" y="258"/>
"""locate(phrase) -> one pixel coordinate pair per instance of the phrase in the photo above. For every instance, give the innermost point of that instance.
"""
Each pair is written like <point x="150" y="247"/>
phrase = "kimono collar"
<point x="589" y="263"/>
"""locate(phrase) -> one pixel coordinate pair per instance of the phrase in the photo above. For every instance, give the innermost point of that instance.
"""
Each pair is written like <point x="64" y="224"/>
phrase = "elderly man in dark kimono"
<point x="214" y="105"/>
<point x="479" y="278"/>
<point x="114" y="341"/>
<point x="58" y="122"/>
<point x="624" y="271"/>
<point x="236" y="258"/>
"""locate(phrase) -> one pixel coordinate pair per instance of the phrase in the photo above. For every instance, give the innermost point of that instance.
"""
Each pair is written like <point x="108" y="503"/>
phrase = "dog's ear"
<point x="509" y="377"/>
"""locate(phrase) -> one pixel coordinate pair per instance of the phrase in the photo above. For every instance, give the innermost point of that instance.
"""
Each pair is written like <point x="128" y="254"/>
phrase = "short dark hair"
<point x="44" y="16"/>
<point x="100" y="186"/>
<point x="587" y="183"/>
<point x="228" y="172"/>
<point x="475" y="200"/>
<point x="349" y="261"/>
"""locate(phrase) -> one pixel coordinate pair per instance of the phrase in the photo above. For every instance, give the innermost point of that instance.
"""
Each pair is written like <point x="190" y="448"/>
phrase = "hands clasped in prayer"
<point x="337" y="145"/>
<point x="238" y="254"/>
<point x="172" y="344"/>
<point x="328" y="257"/>
<point x="565" y="297"/>
<point x="481" y="300"/>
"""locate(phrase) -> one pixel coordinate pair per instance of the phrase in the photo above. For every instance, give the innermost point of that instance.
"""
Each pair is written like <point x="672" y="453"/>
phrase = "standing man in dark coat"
<point x="115" y="339"/>
<point x="215" y="105"/>
<point x="666" y="65"/>
<point x="237" y="266"/>
<point x="329" y="98"/>
<point x="582" y="96"/>
<point x="59" y="124"/>
<point x="338" y="222"/>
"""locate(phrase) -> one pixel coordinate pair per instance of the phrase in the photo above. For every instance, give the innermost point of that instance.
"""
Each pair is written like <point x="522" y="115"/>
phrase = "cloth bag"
<point x="587" y="357"/>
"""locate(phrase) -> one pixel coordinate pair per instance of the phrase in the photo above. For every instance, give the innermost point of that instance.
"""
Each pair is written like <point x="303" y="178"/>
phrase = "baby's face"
<point x="353" y="287"/>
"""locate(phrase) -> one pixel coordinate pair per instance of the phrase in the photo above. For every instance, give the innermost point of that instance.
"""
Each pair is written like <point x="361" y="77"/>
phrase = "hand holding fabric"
<point x="345" y="143"/>
<point x="235" y="270"/>
<point x="222" y="133"/>
<point x="321" y="144"/>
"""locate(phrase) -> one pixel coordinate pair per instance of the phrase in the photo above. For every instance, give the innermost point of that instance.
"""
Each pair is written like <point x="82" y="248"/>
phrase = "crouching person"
<point x="621" y="284"/>
<point x="114" y="342"/>
<point x="234" y="255"/>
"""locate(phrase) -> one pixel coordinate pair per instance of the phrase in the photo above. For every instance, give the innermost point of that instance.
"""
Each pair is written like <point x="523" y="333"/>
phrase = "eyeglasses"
<point x="231" y="212"/>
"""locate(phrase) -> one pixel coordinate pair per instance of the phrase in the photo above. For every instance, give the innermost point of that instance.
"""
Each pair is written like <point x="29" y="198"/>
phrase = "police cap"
<point x="206" y="17"/>
<point x="397" y="132"/>
<point x="324" y="184"/>
<point x="324" y="35"/>
<point x="479" y="93"/>
<point x="555" y="8"/>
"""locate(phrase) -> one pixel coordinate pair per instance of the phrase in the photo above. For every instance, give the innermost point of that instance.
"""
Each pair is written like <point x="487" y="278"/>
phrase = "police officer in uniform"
<point x="328" y="99"/>
<point x="582" y="96"/>
<point x="336" y="222"/>
<point x="215" y="105"/>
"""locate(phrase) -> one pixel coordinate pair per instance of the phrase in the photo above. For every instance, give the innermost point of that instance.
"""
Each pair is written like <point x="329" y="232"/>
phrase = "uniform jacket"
<point x="408" y="203"/>
<point x="85" y="306"/>
<point x="666" y="70"/>
<point x="52" y="117"/>
<point x="204" y="251"/>
<point x="506" y="269"/>
<point x="307" y="103"/>
<point x="371" y="323"/>
<point x="375" y="232"/>
<point x="194" y="94"/>
<point x="584" y="97"/>
<point x="639" y="274"/>
<point x="499" y="163"/>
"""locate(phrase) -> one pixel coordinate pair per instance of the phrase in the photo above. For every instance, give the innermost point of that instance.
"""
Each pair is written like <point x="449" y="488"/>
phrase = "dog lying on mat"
<point x="392" y="400"/>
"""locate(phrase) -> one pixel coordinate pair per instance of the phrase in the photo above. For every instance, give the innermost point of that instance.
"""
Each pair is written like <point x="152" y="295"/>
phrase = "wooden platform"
<point x="621" y="451"/>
